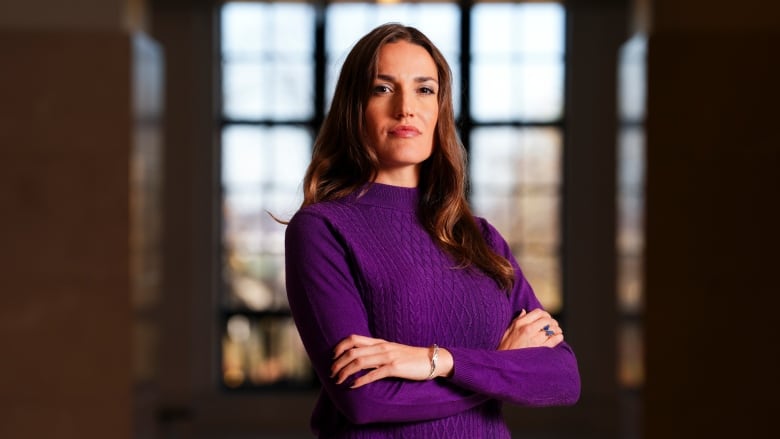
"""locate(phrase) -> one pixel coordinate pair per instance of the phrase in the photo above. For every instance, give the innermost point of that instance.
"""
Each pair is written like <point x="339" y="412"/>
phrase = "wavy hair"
<point x="341" y="163"/>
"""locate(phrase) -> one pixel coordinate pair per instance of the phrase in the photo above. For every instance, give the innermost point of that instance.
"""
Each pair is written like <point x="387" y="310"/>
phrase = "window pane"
<point x="249" y="29"/>
<point x="263" y="351"/>
<point x="261" y="174"/>
<point x="631" y="350"/>
<point x="543" y="271"/>
<point x="520" y="28"/>
<point x="630" y="217"/>
<point x="631" y="80"/>
<point x="515" y="183"/>
<point x="630" y="202"/>
<point x="347" y="22"/>
<point x="517" y="67"/>
<point x="258" y="90"/>
<point x="242" y="28"/>
<point x="629" y="283"/>
<point x="509" y="157"/>
<point x="508" y="90"/>
<point x="268" y="53"/>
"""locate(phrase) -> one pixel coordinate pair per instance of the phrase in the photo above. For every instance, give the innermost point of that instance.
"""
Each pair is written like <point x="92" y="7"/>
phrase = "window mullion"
<point x="466" y="120"/>
<point x="320" y="64"/>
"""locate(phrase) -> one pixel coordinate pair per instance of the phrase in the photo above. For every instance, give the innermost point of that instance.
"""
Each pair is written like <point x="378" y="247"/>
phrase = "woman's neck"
<point x="402" y="177"/>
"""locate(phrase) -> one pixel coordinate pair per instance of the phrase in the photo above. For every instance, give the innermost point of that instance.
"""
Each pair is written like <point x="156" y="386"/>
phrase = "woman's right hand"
<point x="384" y="359"/>
<point x="533" y="329"/>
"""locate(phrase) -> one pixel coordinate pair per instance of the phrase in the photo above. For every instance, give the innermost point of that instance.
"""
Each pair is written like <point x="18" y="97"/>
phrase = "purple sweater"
<point x="365" y="265"/>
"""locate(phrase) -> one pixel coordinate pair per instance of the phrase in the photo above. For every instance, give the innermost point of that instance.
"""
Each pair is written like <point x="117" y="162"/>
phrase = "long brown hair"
<point x="342" y="164"/>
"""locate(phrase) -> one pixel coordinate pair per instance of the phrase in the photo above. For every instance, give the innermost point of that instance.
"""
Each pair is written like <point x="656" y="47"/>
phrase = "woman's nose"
<point x="404" y="105"/>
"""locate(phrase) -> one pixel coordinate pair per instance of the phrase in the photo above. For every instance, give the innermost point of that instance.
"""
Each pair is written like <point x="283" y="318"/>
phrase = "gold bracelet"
<point x="434" y="358"/>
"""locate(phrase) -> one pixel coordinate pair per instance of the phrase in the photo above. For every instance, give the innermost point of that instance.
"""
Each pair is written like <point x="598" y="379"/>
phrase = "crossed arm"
<point x="529" y="367"/>
<point x="385" y="359"/>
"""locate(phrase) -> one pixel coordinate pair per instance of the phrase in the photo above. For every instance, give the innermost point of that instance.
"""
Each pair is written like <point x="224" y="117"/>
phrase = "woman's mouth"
<point x="404" y="131"/>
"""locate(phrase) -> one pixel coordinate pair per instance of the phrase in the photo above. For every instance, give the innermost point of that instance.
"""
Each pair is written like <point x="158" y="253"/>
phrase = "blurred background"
<point x="625" y="148"/>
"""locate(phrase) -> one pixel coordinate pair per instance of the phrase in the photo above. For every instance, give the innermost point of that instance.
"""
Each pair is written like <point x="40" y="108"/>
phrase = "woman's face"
<point x="402" y="112"/>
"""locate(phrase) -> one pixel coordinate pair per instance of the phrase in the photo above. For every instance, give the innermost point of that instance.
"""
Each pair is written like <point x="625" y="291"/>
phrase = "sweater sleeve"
<point x="538" y="376"/>
<point x="327" y="307"/>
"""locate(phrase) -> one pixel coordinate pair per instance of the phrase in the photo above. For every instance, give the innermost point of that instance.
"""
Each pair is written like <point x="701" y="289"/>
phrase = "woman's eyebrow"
<point x="386" y="77"/>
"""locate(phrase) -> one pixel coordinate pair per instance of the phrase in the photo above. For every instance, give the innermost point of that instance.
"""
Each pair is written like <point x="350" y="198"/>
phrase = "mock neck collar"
<point x="385" y="195"/>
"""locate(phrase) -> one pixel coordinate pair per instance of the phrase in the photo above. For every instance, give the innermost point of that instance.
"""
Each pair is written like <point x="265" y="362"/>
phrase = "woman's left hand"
<point x="533" y="329"/>
<point x="384" y="359"/>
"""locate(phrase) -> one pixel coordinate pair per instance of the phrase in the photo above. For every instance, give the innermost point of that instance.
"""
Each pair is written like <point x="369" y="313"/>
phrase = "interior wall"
<point x="595" y="32"/>
<point x="712" y="220"/>
<point x="64" y="191"/>
<point x="77" y="144"/>
<point x="73" y="14"/>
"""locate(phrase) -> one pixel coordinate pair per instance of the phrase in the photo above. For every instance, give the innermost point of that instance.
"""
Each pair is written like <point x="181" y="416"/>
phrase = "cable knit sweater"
<point x="365" y="265"/>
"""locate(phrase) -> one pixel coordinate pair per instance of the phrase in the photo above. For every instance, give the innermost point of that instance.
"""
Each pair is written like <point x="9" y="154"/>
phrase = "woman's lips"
<point x="405" y="131"/>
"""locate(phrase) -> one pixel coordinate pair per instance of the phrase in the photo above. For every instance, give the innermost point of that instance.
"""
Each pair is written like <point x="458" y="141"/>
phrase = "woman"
<point x="415" y="314"/>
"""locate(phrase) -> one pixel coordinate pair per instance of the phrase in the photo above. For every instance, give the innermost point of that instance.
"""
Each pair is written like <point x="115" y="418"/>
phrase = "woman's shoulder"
<point x="492" y="236"/>
<point x="338" y="220"/>
<point x="327" y="212"/>
<point x="488" y="230"/>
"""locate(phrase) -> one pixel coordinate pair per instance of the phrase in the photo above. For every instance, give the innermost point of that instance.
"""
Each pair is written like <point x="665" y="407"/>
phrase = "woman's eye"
<point x="427" y="90"/>
<point x="381" y="89"/>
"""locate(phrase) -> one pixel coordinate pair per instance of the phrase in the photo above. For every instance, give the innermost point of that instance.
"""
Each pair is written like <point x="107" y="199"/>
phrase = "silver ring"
<point x="547" y="331"/>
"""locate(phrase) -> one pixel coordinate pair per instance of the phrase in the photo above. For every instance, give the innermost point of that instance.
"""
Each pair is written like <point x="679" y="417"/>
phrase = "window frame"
<point x="187" y="397"/>
<point x="465" y="122"/>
